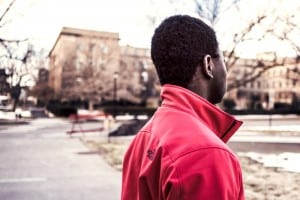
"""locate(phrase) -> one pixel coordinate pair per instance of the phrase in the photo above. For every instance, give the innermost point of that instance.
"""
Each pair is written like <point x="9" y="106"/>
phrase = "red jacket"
<point x="181" y="152"/>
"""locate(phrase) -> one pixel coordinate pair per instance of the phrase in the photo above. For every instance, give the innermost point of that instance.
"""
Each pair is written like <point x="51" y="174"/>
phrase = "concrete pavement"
<point x="40" y="162"/>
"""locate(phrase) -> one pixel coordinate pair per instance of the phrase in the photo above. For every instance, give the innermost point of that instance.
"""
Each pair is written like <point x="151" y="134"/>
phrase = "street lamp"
<point x="115" y="77"/>
<point x="270" y="106"/>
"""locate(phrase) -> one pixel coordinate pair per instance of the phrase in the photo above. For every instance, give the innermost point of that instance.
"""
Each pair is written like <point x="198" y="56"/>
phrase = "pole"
<point x="115" y="90"/>
<point x="115" y="77"/>
<point x="270" y="100"/>
<point x="270" y="120"/>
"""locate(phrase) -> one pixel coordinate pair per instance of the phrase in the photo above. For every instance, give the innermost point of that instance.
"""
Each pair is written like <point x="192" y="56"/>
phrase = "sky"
<point x="41" y="20"/>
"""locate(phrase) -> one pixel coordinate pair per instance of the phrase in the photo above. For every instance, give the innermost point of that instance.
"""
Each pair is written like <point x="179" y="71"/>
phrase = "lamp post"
<point x="115" y="76"/>
<point x="270" y="106"/>
<point x="145" y="78"/>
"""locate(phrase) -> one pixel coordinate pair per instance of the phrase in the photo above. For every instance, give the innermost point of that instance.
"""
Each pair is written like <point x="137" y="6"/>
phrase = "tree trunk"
<point x="15" y="103"/>
<point x="91" y="105"/>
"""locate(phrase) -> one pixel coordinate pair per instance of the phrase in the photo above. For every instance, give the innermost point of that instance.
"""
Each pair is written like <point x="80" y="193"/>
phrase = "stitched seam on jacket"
<point x="178" y="173"/>
<point x="191" y="115"/>
<point x="195" y="95"/>
<point x="233" y="157"/>
<point x="174" y="108"/>
<point x="170" y="157"/>
<point x="202" y="149"/>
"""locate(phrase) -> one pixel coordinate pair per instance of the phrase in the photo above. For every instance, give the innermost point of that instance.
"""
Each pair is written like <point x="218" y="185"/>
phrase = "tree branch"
<point x="11" y="41"/>
<point x="7" y="9"/>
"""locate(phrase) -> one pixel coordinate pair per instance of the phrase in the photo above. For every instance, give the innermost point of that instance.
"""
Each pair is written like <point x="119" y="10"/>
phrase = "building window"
<point x="281" y="72"/>
<point x="78" y="64"/>
<point x="258" y="84"/>
<point x="78" y="47"/>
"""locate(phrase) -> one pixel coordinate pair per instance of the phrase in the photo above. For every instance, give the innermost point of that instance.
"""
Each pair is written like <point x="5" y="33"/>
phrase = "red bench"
<point x="77" y="119"/>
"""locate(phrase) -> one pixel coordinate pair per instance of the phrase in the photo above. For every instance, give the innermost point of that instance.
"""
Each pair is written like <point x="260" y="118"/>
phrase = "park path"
<point x="39" y="161"/>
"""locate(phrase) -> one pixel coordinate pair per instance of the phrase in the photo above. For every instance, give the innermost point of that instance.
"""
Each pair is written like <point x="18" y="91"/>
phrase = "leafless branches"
<point x="6" y="42"/>
<point x="284" y="28"/>
<point x="211" y="10"/>
<point x="6" y="11"/>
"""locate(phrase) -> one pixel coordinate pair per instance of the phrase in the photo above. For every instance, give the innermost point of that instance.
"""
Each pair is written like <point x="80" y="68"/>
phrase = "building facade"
<point x="78" y="56"/>
<point x="91" y="65"/>
<point x="277" y="86"/>
<point x="136" y="65"/>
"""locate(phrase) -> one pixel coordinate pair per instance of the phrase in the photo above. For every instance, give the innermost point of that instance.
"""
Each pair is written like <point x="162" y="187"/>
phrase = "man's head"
<point x="185" y="52"/>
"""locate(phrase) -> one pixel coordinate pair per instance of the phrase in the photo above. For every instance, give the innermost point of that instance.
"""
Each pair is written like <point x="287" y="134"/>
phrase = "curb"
<point x="12" y="122"/>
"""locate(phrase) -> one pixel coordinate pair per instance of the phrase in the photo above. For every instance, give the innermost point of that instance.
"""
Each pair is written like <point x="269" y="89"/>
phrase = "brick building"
<point x="91" y="65"/>
<point x="278" y="85"/>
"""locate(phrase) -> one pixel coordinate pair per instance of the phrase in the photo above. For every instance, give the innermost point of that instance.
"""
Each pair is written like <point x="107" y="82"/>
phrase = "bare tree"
<point x="130" y="81"/>
<point x="253" y="69"/>
<point x="289" y="32"/>
<point x="240" y="71"/>
<point x="13" y="59"/>
<point x="18" y="67"/>
<point x="211" y="10"/>
<point x="95" y="72"/>
<point x="96" y="81"/>
<point x="41" y="90"/>
<point x="290" y="35"/>
<point x="5" y="42"/>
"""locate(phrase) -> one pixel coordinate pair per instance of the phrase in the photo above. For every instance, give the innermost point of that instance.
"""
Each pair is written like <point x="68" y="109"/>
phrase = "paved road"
<point x="263" y="146"/>
<point x="39" y="162"/>
<point x="270" y="121"/>
<point x="267" y="134"/>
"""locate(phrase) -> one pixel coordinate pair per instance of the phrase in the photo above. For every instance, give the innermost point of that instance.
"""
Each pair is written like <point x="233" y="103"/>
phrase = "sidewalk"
<point x="264" y="138"/>
<point x="48" y="162"/>
<point x="266" y="117"/>
<point x="13" y="121"/>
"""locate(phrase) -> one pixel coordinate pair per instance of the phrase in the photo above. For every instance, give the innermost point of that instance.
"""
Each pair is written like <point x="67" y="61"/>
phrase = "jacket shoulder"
<point x="181" y="133"/>
<point x="210" y="173"/>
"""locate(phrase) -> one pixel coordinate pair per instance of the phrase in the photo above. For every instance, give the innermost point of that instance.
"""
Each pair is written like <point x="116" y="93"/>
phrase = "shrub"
<point x="62" y="110"/>
<point x="229" y="104"/>
<point x="131" y="110"/>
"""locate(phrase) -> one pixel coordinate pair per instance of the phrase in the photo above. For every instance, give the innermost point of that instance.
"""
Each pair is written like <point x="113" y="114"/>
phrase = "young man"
<point x="181" y="152"/>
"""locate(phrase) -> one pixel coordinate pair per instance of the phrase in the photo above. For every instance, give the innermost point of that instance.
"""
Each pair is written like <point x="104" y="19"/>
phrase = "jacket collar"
<point x="220" y="122"/>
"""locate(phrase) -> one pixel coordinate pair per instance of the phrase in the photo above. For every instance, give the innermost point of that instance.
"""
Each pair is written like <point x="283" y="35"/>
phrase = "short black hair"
<point x="179" y="45"/>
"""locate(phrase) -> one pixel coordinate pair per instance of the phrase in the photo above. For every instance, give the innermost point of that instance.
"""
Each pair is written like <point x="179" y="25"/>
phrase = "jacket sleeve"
<point x="204" y="174"/>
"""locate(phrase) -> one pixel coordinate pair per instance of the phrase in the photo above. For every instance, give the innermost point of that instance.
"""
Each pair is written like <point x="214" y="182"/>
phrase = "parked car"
<point x="31" y="113"/>
<point x="5" y="103"/>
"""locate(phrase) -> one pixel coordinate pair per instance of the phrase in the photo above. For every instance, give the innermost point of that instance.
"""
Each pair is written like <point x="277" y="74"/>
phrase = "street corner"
<point x="13" y="121"/>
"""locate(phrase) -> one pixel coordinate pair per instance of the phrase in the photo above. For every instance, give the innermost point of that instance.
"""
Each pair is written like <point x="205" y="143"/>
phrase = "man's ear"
<point x="208" y="66"/>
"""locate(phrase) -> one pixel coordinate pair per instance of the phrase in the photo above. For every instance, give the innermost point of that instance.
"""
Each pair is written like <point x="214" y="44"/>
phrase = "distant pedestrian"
<point x="181" y="153"/>
<point x="18" y="116"/>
